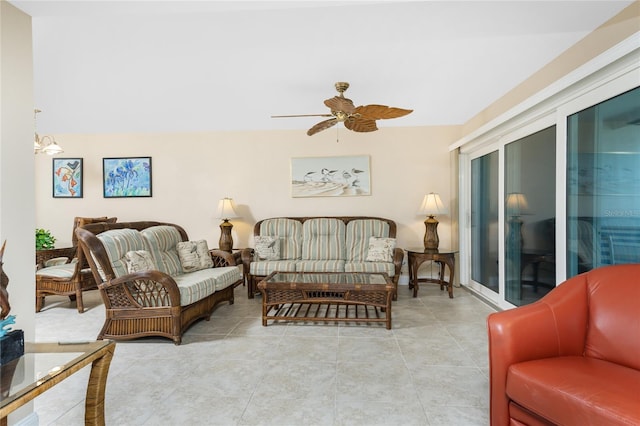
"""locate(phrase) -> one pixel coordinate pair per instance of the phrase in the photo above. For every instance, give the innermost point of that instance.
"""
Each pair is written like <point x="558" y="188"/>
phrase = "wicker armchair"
<point x="64" y="271"/>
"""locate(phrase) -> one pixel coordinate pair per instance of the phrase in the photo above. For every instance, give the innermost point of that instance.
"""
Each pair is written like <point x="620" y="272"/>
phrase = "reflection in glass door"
<point x="530" y="193"/>
<point x="484" y="220"/>
<point x="603" y="184"/>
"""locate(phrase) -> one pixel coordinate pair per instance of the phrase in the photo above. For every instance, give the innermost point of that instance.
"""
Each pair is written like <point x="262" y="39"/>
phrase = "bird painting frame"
<point x="341" y="176"/>
<point x="67" y="178"/>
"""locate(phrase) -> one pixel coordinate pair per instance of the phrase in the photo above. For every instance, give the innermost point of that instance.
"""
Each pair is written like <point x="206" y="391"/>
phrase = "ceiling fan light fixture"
<point x="357" y="119"/>
<point x="340" y="116"/>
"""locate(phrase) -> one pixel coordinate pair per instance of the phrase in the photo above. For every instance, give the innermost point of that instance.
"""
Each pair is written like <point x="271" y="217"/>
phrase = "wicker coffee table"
<point x="327" y="296"/>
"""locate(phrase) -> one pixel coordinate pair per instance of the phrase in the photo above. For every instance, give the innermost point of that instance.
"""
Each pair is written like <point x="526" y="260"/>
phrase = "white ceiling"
<point x="163" y="66"/>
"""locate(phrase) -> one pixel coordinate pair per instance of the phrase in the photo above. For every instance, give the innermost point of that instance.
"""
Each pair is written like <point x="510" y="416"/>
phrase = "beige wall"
<point x="16" y="172"/>
<point x="192" y="171"/>
<point x="16" y="163"/>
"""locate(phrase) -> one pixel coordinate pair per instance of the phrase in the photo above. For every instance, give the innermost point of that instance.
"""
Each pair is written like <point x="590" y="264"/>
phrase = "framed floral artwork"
<point x="126" y="177"/>
<point x="67" y="178"/>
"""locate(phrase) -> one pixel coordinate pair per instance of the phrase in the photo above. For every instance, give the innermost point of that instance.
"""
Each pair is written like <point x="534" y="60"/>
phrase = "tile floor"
<point x="430" y="369"/>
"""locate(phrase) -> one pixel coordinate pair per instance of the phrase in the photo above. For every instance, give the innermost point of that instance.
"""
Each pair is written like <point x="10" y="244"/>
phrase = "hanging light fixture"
<point x="45" y="144"/>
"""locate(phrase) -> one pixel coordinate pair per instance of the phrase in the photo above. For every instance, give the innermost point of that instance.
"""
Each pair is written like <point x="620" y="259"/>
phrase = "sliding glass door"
<point x="603" y="184"/>
<point x="551" y="188"/>
<point x="484" y="220"/>
<point x="530" y="216"/>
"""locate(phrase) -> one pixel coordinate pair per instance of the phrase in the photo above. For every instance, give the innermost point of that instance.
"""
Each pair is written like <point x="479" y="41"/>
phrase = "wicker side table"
<point x="417" y="256"/>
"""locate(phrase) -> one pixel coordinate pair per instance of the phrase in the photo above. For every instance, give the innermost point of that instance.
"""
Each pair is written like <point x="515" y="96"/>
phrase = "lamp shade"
<point x="432" y="205"/>
<point x="517" y="204"/>
<point x="226" y="209"/>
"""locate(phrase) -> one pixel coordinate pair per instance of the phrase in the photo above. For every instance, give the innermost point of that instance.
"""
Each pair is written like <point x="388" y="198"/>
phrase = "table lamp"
<point x="226" y="212"/>
<point x="516" y="206"/>
<point x="431" y="206"/>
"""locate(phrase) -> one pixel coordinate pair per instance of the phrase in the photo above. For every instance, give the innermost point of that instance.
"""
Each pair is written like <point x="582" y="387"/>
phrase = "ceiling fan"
<point x="356" y="118"/>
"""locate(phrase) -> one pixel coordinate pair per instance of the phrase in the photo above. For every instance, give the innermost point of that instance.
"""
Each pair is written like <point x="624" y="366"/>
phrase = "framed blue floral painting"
<point x="67" y="178"/>
<point x="126" y="177"/>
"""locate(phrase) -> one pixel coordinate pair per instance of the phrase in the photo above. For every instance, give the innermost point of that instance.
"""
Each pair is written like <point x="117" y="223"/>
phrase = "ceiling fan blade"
<point x="301" y="115"/>
<point x="323" y="125"/>
<point x="358" y="124"/>
<point x="338" y="103"/>
<point x="377" y="112"/>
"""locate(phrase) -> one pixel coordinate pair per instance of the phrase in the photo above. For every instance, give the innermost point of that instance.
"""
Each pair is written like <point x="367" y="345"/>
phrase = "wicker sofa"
<point x="321" y="244"/>
<point x="159" y="298"/>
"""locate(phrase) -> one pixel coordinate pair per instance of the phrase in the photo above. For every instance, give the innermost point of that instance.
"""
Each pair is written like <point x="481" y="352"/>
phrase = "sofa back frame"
<point x="345" y="219"/>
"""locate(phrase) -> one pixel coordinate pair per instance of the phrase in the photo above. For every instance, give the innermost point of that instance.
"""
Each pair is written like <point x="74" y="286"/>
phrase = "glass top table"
<point x="44" y="365"/>
<point x="328" y="278"/>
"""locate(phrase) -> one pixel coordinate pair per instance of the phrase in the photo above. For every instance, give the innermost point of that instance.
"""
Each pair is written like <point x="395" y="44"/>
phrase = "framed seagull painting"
<point x="67" y="178"/>
<point x="342" y="176"/>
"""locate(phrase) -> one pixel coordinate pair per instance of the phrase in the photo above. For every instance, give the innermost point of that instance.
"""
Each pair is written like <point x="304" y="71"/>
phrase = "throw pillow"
<point x="194" y="255"/>
<point x="267" y="248"/>
<point x="381" y="249"/>
<point x="139" y="260"/>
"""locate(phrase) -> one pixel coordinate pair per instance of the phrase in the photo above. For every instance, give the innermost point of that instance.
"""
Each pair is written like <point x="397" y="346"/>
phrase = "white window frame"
<point x="610" y="74"/>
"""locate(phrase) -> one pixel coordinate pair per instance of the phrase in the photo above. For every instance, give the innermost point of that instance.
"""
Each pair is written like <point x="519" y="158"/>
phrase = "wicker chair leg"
<point x="39" y="303"/>
<point x="250" y="284"/>
<point x="79" y="303"/>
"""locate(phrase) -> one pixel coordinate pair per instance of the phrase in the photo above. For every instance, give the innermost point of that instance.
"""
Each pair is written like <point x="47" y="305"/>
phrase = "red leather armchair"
<point x="571" y="358"/>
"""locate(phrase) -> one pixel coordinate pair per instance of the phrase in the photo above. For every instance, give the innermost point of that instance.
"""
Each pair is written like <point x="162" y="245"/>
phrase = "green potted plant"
<point x="44" y="239"/>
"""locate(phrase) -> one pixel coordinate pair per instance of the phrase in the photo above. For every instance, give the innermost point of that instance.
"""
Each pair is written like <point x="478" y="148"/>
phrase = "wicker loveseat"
<point x="321" y="244"/>
<point x="163" y="301"/>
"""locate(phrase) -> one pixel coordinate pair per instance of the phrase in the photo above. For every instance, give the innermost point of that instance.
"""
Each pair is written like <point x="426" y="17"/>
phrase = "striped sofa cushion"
<point x="265" y="267"/>
<point x="199" y="284"/>
<point x="117" y="242"/>
<point x="290" y="233"/>
<point x="357" y="237"/>
<point x="320" y="266"/>
<point x="323" y="239"/>
<point x="162" y="241"/>
<point x="387" y="267"/>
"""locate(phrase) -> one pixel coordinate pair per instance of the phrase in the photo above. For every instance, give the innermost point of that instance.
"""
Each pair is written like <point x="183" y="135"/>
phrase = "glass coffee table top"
<point x="327" y="277"/>
<point x="44" y="365"/>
